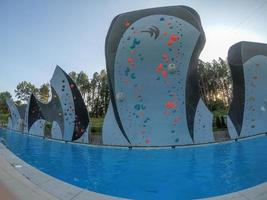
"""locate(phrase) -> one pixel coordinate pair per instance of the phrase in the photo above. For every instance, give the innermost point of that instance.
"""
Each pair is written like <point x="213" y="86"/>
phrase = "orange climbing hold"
<point x="173" y="38"/>
<point x="170" y="105"/>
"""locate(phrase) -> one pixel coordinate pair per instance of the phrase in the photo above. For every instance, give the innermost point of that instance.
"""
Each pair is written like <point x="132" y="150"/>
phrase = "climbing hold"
<point x="172" y="68"/>
<point x="120" y="96"/>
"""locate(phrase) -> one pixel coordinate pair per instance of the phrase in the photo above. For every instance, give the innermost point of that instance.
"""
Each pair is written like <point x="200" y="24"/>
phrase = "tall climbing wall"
<point x="66" y="111"/>
<point x="151" y="60"/>
<point x="248" y="110"/>
<point x="15" y="121"/>
<point x="75" y="115"/>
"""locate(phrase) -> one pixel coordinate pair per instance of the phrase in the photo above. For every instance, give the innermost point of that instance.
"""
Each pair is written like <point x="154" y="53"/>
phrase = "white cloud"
<point x="219" y="39"/>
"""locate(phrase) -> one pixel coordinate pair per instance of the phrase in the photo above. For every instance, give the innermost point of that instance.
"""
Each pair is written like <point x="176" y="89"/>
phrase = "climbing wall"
<point x="255" y="115"/>
<point x="15" y="120"/>
<point x="151" y="62"/>
<point x="74" y="111"/>
<point x="81" y="122"/>
<point x="37" y="128"/>
<point x="248" y="62"/>
<point x="52" y="113"/>
<point x="56" y="132"/>
<point x="65" y="111"/>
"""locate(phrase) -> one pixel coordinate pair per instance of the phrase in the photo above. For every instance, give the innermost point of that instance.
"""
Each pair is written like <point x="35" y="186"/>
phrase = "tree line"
<point x="215" y="84"/>
<point x="95" y="92"/>
<point x="214" y="81"/>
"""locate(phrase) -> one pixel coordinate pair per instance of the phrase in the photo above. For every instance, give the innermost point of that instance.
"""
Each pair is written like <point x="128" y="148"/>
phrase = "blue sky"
<point x="37" y="35"/>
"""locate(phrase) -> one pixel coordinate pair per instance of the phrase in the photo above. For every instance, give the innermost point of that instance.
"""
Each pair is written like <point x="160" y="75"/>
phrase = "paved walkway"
<point x="21" y="188"/>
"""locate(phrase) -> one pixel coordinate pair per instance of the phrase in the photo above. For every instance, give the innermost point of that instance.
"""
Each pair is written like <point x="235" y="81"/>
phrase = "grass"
<point x="96" y="125"/>
<point x="3" y="118"/>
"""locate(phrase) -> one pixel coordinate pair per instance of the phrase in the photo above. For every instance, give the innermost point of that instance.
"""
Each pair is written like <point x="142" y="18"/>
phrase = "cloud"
<point x="219" y="39"/>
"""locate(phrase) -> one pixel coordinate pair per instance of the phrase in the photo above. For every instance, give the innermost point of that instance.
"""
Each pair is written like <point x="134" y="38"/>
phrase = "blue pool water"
<point x="181" y="173"/>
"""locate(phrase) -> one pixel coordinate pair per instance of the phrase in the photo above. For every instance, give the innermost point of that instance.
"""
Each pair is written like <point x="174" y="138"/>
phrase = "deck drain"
<point x="18" y="166"/>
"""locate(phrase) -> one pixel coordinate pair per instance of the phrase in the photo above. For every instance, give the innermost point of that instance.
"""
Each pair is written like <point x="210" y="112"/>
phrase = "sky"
<point x="37" y="35"/>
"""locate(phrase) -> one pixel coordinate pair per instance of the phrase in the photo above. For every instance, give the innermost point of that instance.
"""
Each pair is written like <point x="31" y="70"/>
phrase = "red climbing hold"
<point x="130" y="61"/>
<point x="170" y="105"/>
<point x="159" y="68"/>
<point x="164" y="73"/>
<point x="127" y="24"/>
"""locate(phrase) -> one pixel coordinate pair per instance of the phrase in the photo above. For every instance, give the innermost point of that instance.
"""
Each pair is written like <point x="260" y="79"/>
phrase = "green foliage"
<point x="3" y="106"/>
<point x="218" y="107"/>
<point x="218" y="122"/>
<point x="24" y="89"/>
<point x="3" y="119"/>
<point x="44" y="92"/>
<point x="215" y="84"/>
<point x="95" y="91"/>
<point x="73" y="76"/>
<point x="96" y="125"/>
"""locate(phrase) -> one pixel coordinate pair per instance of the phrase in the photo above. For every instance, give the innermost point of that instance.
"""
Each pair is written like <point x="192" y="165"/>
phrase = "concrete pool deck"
<point x="27" y="183"/>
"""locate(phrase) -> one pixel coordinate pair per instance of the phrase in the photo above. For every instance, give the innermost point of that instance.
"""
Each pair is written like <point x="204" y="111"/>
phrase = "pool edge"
<point x="45" y="184"/>
<point x="143" y="147"/>
<point x="258" y="192"/>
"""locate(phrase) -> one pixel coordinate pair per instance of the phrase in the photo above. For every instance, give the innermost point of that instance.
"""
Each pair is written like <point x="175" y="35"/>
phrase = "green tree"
<point x="3" y="105"/>
<point x="73" y="76"/>
<point x="83" y="83"/>
<point x="44" y="93"/>
<point x="95" y="91"/>
<point x="24" y="90"/>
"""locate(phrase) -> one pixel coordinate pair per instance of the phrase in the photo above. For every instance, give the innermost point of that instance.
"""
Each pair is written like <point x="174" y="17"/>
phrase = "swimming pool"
<point x="181" y="173"/>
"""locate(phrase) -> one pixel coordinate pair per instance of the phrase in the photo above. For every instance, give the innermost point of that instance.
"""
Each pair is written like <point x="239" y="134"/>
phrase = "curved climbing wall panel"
<point x="66" y="111"/>
<point x="75" y="115"/>
<point x="247" y="115"/>
<point x="15" y="120"/>
<point x="151" y="60"/>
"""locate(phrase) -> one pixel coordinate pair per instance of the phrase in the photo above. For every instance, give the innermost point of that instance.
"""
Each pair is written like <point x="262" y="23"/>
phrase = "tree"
<point x="215" y="84"/>
<point x="24" y="90"/>
<point x="3" y="105"/>
<point x="44" y="93"/>
<point x="83" y="83"/>
<point x="104" y="92"/>
<point x="73" y="76"/>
